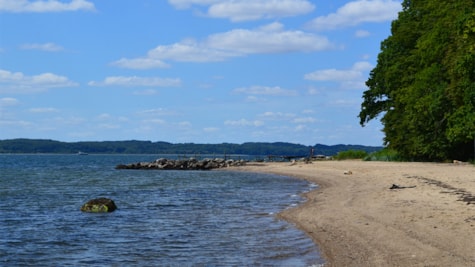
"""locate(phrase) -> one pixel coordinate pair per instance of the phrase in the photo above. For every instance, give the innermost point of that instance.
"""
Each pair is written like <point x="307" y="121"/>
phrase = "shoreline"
<point x="355" y="219"/>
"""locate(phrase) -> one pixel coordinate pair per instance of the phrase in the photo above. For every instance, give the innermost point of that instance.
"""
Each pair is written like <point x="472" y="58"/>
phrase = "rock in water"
<point x="99" y="205"/>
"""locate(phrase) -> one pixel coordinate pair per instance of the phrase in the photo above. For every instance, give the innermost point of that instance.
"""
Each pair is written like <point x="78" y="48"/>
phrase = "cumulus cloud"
<point x="259" y="9"/>
<point x="268" y="39"/>
<point x="357" y="12"/>
<point x="137" y="81"/>
<point x="19" y="6"/>
<point x="190" y="51"/>
<point x="271" y="38"/>
<point x="265" y="90"/>
<point x="17" y="82"/>
<point x="353" y="77"/>
<point x="48" y="47"/>
<point x="245" y="10"/>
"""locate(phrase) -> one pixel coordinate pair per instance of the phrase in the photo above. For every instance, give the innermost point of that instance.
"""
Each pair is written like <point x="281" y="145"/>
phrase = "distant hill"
<point x="148" y="147"/>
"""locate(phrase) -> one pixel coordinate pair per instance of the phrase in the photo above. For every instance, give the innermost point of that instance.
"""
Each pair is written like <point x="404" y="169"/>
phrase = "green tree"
<point x="424" y="82"/>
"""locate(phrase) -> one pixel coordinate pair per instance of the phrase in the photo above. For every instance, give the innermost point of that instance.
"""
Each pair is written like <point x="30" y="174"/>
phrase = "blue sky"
<point x="190" y="71"/>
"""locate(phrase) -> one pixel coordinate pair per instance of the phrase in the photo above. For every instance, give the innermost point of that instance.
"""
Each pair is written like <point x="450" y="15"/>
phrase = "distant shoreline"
<point x="147" y="147"/>
<point x="356" y="220"/>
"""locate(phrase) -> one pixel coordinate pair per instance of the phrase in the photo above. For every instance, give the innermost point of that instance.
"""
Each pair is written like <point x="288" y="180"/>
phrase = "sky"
<point x="190" y="71"/>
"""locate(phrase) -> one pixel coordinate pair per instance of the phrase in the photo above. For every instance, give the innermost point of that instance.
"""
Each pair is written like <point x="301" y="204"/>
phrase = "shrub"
<point x="351" y="154"/>
<point x="384" y="155"/>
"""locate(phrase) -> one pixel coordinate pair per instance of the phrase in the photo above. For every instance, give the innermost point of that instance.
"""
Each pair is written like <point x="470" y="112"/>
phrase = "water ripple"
<point x="164" y="218"/>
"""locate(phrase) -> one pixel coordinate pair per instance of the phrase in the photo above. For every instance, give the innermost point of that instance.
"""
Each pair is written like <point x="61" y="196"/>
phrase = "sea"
<point x="164" y="218"/>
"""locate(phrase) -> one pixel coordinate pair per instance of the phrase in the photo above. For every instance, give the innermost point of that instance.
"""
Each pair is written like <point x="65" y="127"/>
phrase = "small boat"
<point x="80" y="153"/>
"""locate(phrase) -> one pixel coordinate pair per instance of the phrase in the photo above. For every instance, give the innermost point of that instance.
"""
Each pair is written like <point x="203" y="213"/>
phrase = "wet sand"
<point x="357" y="220"/>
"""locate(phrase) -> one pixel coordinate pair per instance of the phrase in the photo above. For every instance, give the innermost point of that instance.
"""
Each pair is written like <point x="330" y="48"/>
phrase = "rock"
<point x="99" y="205"/>
<point x="121" y="166"/>
<point x="190" y="164"/>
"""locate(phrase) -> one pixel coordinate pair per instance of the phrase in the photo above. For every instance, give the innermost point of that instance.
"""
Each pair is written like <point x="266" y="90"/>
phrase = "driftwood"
<point x="395" y="186"/>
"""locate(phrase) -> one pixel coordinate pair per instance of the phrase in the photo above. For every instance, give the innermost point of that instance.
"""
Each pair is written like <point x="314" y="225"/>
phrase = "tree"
<point x="424" y="82"/>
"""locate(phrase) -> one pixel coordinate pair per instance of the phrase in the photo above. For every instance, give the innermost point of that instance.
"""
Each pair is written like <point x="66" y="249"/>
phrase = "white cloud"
<point x="188" y="3"/>
<point x="17" y="82"/>
<point x="185" y="124"/>
<point x="210" y="129"/>
<point x="362" y="33"/>
<point x="245" y="10"/>
<point x="18" y="6"/>
<point x="252" y="98"/>
<point x="109" y="126"/>
<point x="265" y="90"/>
<point x="304" y="120"/>
<point x="259" y="9"/>
<point x="8" y="101"/>
<point x="269" y="39"/>
<point x="154" y="121"/>
<point x="190" y="51"/>
<point x="137" y="81"/>
<point x="48" y="47"/>
<point x="16" y="123"/>
<point x="243" y="122"/>
<point x="353" y="77"/>
<point x="344" y="103"/>
<point x="300" y="128"/>
<point x="357" y="12"/>
<point x="157" y="112"/>
<point x="140" y="63"/>
<point x="269" y="115"/>
<point x="104" y="116"/>
<point x="43" y="110"/>
<point x="146" y="92"/>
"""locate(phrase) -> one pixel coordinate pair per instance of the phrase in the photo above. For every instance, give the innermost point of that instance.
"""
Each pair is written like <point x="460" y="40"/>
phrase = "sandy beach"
<point x="357" y="220"/>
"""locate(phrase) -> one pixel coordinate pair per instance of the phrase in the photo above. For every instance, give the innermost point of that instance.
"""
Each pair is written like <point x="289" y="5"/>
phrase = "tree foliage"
<point x="424" y="82"/>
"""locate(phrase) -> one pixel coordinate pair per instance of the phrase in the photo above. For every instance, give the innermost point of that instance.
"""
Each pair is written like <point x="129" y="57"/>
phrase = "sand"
<point x="357" y="220"/>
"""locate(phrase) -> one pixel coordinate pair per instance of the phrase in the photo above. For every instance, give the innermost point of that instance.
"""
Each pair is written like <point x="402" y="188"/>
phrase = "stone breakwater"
<point x="188" y="164"/>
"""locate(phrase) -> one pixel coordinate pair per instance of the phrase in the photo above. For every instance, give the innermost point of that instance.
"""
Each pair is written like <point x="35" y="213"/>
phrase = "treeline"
<point x="423" y="87"/>
<point x="148" y="147"/>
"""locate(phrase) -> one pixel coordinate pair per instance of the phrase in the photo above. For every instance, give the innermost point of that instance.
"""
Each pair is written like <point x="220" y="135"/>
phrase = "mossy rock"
<point x="99" y="205"/>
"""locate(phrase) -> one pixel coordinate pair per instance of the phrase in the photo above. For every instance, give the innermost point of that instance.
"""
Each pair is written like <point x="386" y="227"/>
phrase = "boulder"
<point x="183" y="164"/>
<point x="99" y="205"/>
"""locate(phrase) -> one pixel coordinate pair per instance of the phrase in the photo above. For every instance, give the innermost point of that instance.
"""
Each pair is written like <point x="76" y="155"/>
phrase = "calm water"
<point x="172" y="218"/>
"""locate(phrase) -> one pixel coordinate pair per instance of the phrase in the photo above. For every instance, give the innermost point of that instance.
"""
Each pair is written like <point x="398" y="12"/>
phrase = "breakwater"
<point x="182" y="164"/>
